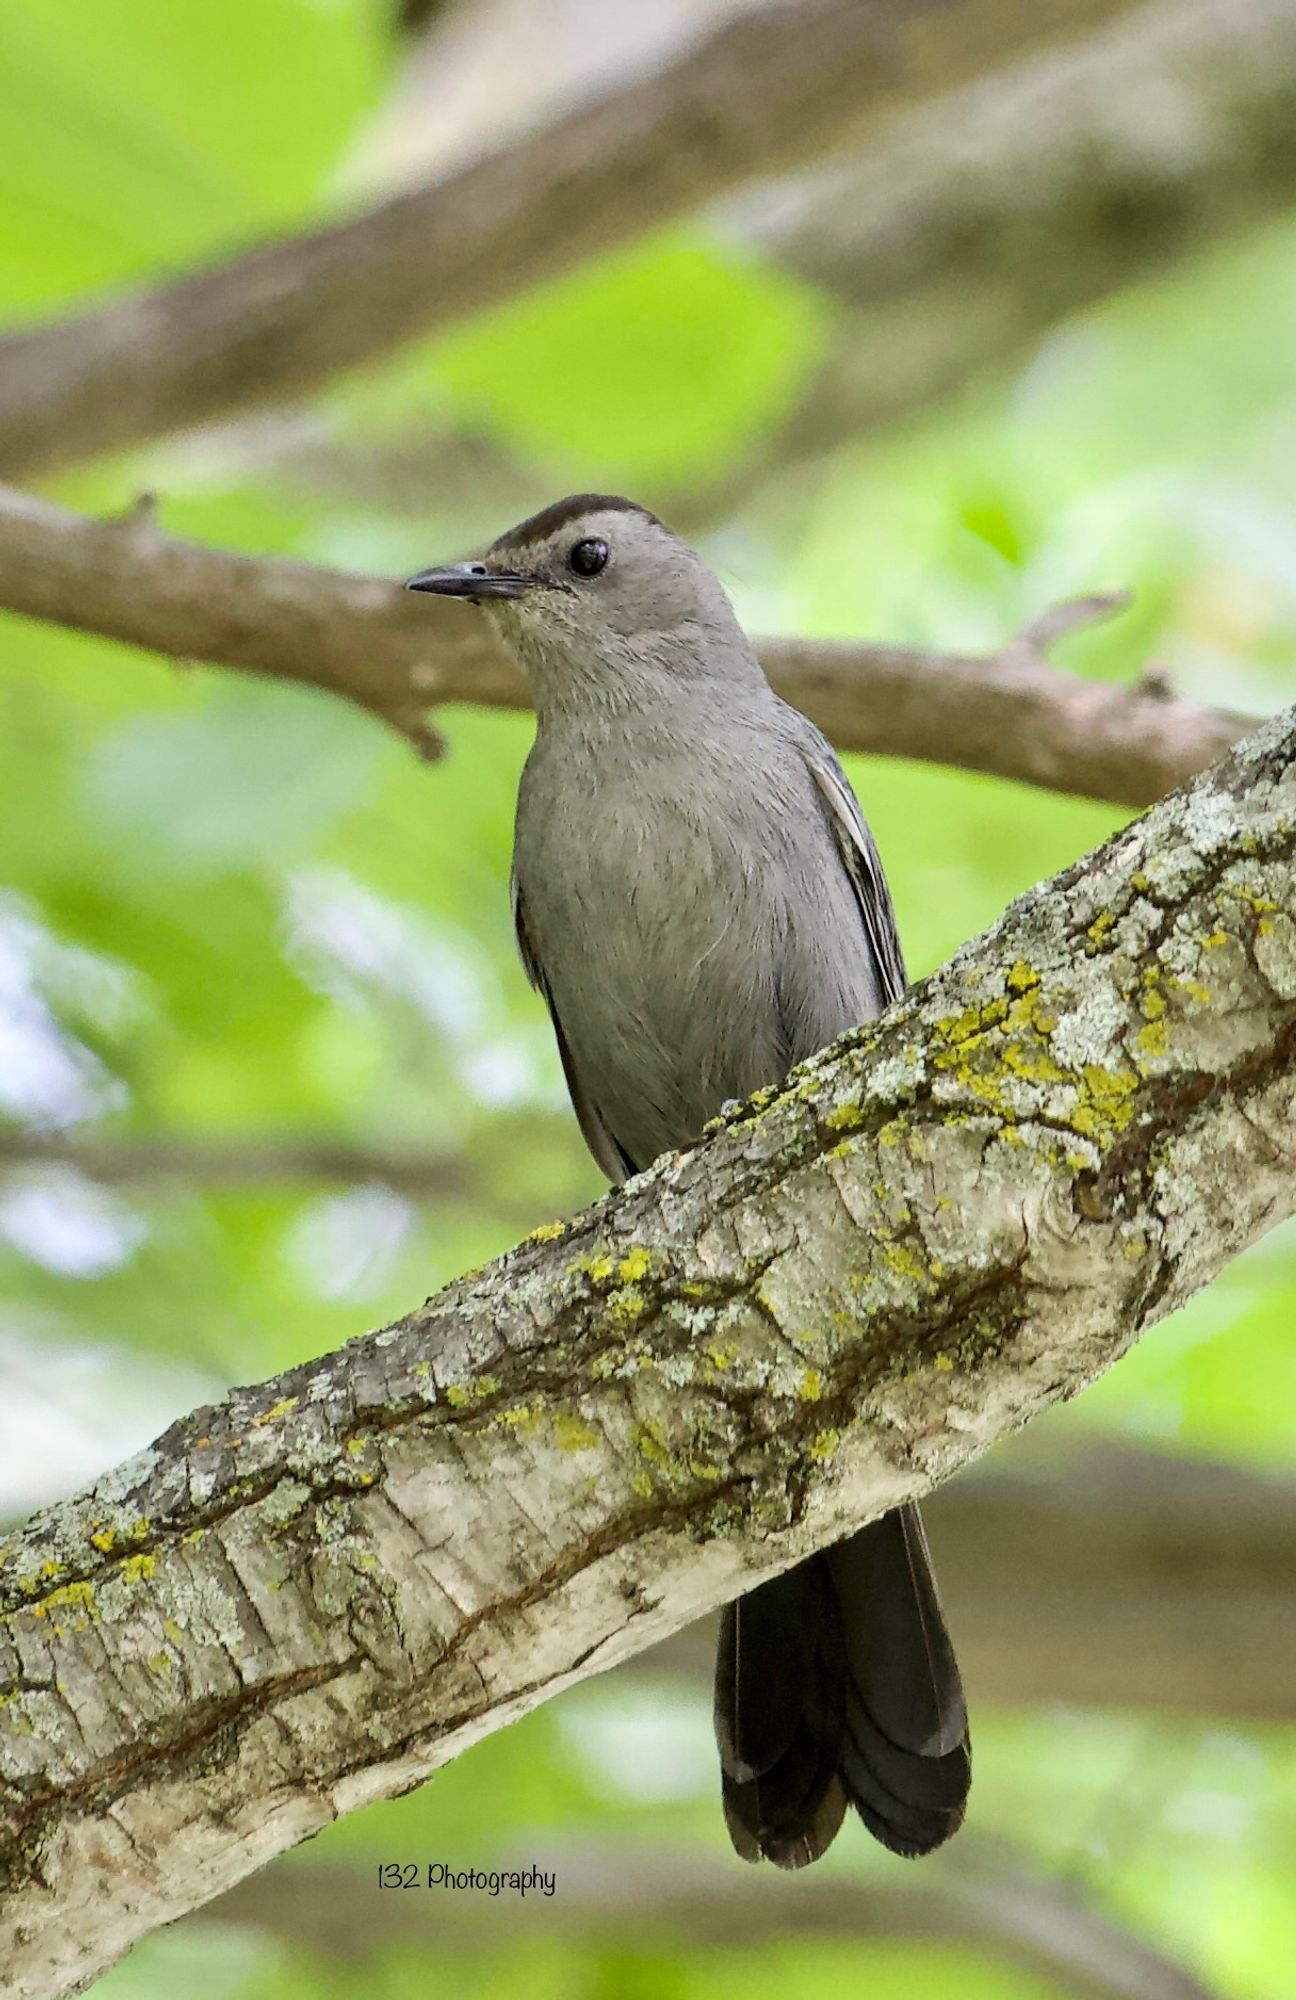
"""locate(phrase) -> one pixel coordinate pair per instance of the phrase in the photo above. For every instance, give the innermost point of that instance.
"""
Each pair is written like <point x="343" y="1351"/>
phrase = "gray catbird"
<point x="701" y="904"/>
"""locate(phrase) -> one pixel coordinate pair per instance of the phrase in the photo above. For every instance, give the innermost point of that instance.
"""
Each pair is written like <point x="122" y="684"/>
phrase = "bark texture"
<point x="312" y="1594"/>
<point x="765" y="92"/>
<point x="398" y="656"/>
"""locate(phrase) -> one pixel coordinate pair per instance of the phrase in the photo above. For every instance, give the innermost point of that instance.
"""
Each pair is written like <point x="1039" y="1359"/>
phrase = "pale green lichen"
<point x="466" y="1395"/>
<point x="573" y="1434"/>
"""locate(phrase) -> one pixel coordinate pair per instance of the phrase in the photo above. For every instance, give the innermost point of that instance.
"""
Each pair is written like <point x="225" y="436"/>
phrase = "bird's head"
<point x="598" y="601"/>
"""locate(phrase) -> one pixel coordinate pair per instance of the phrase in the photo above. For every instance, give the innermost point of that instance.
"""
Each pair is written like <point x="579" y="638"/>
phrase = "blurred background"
<point x="269" y="1073"/>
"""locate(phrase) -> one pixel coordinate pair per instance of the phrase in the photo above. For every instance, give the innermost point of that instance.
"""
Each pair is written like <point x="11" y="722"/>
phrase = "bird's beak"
<point x="472" y="580"/>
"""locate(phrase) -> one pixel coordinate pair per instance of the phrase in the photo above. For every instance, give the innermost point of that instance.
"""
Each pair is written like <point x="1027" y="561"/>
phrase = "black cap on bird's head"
<point x="595" y="597"/>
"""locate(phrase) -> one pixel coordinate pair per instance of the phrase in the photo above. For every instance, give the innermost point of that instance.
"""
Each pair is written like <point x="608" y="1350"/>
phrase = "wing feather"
<point x="614" y="1161"/>
<point x="863" y="865"/>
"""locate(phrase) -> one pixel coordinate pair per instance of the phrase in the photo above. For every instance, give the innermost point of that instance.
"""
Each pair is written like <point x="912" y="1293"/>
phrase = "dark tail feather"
<point x="837" y="1682"/>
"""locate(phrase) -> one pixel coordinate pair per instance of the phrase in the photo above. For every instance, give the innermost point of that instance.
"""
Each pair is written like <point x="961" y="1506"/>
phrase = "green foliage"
<point x="230" y="909"/>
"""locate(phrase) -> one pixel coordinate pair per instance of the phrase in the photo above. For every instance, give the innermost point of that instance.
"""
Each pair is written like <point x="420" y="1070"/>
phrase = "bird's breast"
<point x="650" y="912"/>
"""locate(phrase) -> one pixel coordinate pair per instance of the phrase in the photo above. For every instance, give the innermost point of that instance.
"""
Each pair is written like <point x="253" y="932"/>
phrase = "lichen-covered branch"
<point x="399" y="656"/>
<point x="765" y="91"/>
<point x="312" y="1594"/>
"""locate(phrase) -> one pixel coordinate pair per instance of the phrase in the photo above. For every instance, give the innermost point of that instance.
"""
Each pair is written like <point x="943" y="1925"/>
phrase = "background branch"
<point x="953" y="237"/>
<point x="763" y="93"/>
<point x="962" y="233"/>
<point x="640" y="1894"/>
<point x="398" y="656"/>
<point x="312" y="1594"/>
<point x="270" y="1160"/>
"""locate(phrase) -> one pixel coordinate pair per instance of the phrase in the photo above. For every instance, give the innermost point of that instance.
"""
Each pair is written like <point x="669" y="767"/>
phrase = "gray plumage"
<point x="699" y="900"/>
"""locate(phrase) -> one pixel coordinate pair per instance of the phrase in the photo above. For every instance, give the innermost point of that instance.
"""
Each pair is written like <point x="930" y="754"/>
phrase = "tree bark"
<point x="765" y="92"/>
<point x="397" y="656"/>
<point x="314" y="1593"/>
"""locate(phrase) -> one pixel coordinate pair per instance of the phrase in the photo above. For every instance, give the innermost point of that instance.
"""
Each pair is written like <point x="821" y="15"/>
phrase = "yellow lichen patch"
<point x="634" y="1266"/>
<point x="173" y="1631"/>
<point x="942" y="1364"/>
<point x="548" y="1232"/>
<point x="282" y="1408"/>
<point x="573" y="1434"/>
<point x="650" y="1443"/>
<point x="843" y="1117"/>
<point x="1153" y="1039"/>
<point x="810" y="1387"/>
<point x="138" y="1569"/>
<point x="463" y="1395"/>
<point x="905" y="1262"/>
<point x="1107" y="1106"/>
<point x="103" y="1539"/>
<point x="77" y="1600"/>
<point x="1098" y="930"/>
<point x="626" y="1306"/>
<point x="1022" y="976"/>
<point x="1216" y="941"/>
<point x="355" y="1447"/>
<point x="824" y="1444"/>
<point x="161" y="1663"/>
<point x="525" y="1418"/>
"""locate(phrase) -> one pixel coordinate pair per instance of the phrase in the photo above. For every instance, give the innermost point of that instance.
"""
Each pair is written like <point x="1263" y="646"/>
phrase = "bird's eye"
<point x="588" y="558"/>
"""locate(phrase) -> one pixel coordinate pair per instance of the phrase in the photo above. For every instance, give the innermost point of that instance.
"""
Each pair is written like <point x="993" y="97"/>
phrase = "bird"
<point x="699" y="900"/>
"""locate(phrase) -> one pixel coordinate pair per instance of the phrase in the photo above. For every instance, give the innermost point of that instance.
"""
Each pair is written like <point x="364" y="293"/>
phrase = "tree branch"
<point x="766" y="91"/>
<point x="397" y="656"/>
<point x="970" y="227"/>
<point x="1109" y="1577"/>
<point x="312" y="1594"/>
<point x="1015" y="1915"/>
<point x="264" y="1160"/>
<point x="954" y="237"/>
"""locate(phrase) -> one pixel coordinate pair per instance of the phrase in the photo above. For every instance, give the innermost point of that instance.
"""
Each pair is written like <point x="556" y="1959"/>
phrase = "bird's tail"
<point x="836" y="1684"/>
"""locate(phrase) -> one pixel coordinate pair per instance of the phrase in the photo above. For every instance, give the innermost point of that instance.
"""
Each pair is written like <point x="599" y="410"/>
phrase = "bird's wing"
<point x="615" y="1163"/>
<point x="862" y="863"/>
